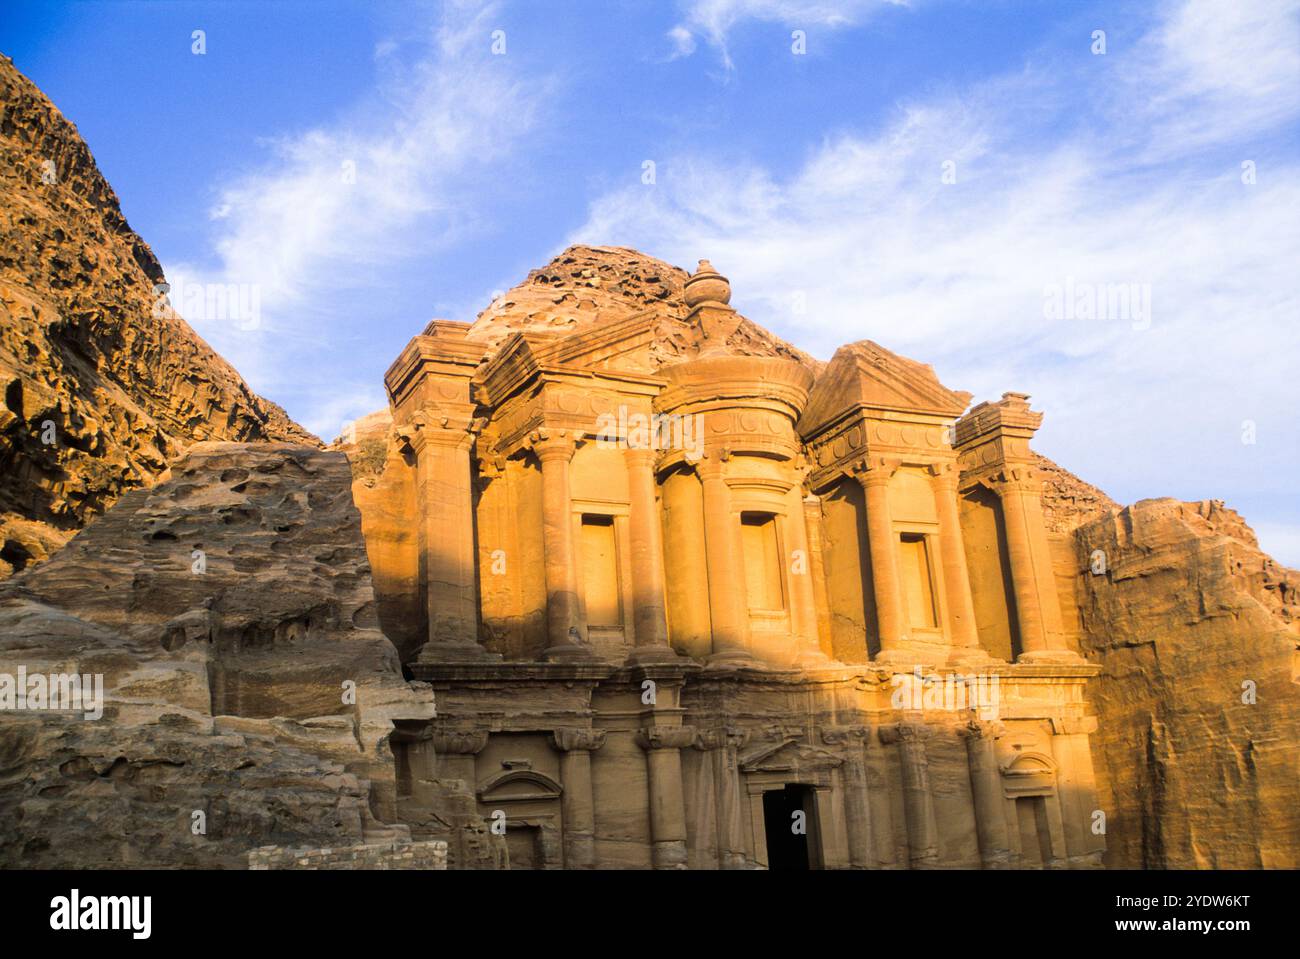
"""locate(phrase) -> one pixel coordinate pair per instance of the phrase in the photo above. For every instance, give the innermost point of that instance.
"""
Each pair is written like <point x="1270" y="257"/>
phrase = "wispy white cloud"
<point x="1051" y="190"/>
<point x="332" y="208"/>
<point x="713" y="20"/>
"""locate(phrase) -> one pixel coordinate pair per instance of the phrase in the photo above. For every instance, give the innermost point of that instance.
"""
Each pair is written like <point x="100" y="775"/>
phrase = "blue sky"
<point x="927" y="175"/>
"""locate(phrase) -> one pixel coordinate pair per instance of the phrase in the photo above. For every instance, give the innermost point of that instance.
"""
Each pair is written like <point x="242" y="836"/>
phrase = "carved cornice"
<point x="566" y="739"/>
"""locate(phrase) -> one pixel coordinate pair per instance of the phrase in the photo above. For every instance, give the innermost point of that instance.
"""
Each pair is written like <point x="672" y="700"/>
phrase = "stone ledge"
<point x="431" y="854"/>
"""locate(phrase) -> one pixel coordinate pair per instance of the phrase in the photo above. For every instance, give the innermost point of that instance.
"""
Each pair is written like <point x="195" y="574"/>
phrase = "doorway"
<point x="790" y="826"/>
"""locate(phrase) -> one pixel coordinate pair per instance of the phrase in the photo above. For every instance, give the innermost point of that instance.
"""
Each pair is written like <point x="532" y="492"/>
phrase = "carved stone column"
<point x="646" y="534"/>
<point x="956" y="577"/>
<point x="455" y="750"/>
<point x="576" y="805"/>
<point x="993" y="450"/>
<point x="803" y="599"/>
<point x="441" y="444"/>
<point x="663" y="745"/>
<point x="728" y="601"/>
<point x="918" y="801"/>
<point x="812" y="518"/>
<point x="885" y="579"/>
<point x="566" y="639"/>
<point x="857" y="807"/>
<point x="723" y="745"/>
<point x="1038" y="611"/>
<point x="986" y="790"/>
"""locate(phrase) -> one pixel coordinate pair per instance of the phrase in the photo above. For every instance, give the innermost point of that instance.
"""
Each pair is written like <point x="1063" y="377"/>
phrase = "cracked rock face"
<point x="229" y="610"/>
<point x="102" y="383"/>
<point x="1198" y="634"/>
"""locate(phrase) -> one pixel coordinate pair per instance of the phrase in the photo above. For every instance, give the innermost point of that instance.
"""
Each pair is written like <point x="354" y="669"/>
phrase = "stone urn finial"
<point x="706" y="285"/>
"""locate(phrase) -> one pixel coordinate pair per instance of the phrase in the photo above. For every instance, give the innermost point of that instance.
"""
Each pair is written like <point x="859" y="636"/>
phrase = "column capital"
<point x="448" y="428"/>
<point x="876" y="470"/>
<point x="1016" y="478"/>
<point x="665" y="737"/>
<point x="905" y="733"/>
<point x="721" y="737"/>
<point x="570" y="738"/>
<point x="552" y="445"/>
<point x="944" y="474"/>
<point x="838" y="735"/>
<point x="711" y="464"/>
<point x="461" y="742"/>
<point x="976" y="729"/>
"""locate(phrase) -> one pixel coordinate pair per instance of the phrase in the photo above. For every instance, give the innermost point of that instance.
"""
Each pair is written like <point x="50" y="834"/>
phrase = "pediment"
<point x="788" y="756"/>
<point x="625" y="345"/>
<point x="866" y="375"/>
<point x="518" y="785"/>
<point x="622" y="347"/>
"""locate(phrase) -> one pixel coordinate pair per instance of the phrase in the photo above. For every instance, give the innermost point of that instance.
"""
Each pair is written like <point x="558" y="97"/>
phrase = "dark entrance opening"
<point x="789" y="822"/>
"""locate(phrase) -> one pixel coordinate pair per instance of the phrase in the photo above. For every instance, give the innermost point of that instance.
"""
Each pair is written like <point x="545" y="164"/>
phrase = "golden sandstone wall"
<point x="1155" y="814"/>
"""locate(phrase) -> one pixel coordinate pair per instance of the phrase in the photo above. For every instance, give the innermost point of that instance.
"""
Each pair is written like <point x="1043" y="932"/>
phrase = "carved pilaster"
<point x="575" y="745"/>
<point x="857" y="807"/>
<point x="663" y="745"/>
<point x="986" y="790"/>
<point x="918" y="800"/>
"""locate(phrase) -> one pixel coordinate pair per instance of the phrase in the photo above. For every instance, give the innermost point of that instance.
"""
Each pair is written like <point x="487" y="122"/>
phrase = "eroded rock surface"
<point x="230" y="612"/>
<point x="589" y="284"/>
<point x="102" y="386"/>
<point x="1198" y="743"/>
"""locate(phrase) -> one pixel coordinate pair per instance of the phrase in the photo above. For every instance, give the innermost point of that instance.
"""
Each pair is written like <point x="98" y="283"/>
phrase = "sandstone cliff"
<point x="1198" y="632"/>
<point x="229" y="610"/>
<point x="101" y="389"/>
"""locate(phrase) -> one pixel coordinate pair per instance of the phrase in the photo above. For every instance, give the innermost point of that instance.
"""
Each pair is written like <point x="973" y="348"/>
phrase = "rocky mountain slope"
<point x="230" y="612"/>
<point x="102" y="382"/>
